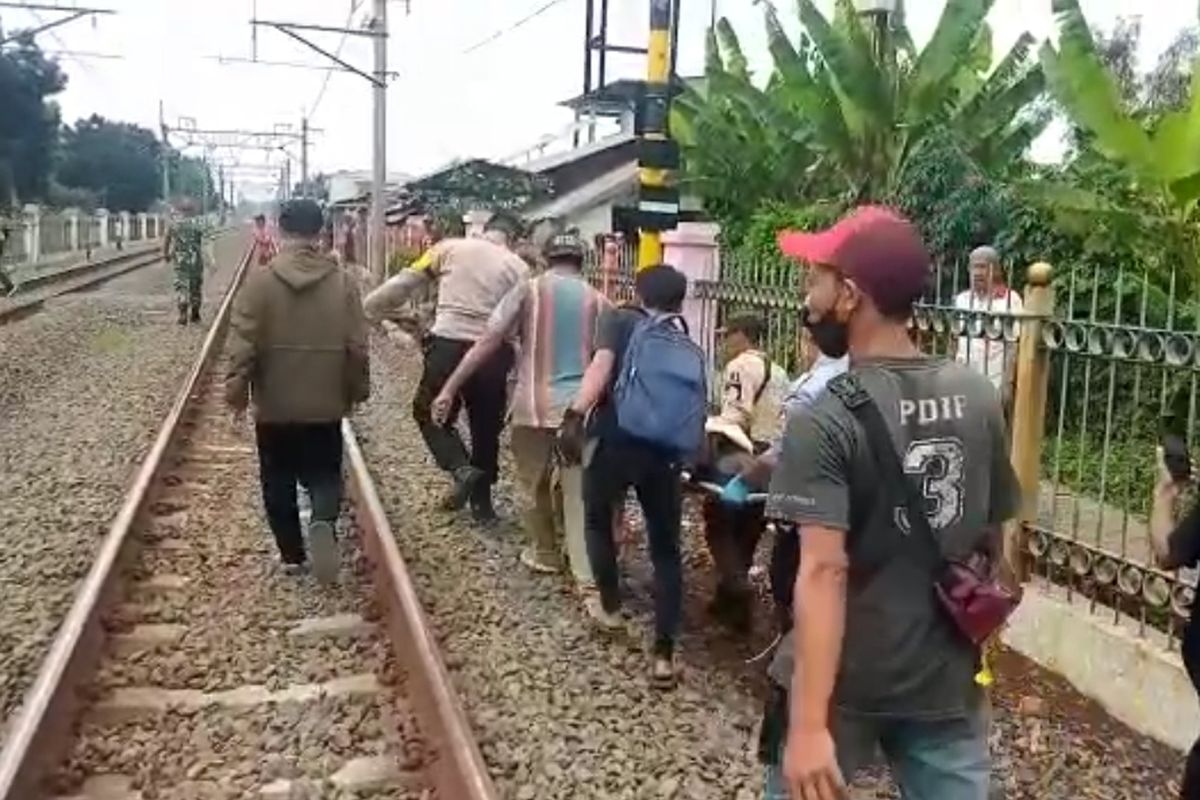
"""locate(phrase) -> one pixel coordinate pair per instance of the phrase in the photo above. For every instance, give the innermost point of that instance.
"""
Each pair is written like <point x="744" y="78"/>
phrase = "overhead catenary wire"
<point x="312" y="109"/>
<point x="542" y="9"/>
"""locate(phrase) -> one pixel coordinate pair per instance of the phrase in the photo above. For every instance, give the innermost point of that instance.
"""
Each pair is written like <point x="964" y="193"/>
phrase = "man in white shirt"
<point x="995" y="359"/>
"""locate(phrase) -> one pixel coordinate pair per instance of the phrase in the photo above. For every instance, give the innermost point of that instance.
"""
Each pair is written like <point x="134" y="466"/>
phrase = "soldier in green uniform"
<point x="185" y="247"/>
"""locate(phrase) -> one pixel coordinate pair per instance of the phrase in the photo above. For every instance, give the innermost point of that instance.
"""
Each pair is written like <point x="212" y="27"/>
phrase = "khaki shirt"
<point x="473" y="276"/>
<point x="752" y="395"/>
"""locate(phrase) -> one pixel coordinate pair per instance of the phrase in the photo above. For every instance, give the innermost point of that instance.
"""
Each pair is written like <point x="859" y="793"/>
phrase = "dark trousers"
<point x="614" y="467"/>
<point x="308" y="454"/>
<point x="1190" y="790"/>
<point x="785" y="563"/>
<point x="485" y="395"/>
<point x="732" y="536"/>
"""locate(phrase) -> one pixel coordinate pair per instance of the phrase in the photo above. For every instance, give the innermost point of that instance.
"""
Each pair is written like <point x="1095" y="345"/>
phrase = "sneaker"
<point x="606" y="620"/>
<point x="294" y="569"/>
<point x="662" y="672"/>
<point x="531" y="560"/>
<point x="323" y="547"/>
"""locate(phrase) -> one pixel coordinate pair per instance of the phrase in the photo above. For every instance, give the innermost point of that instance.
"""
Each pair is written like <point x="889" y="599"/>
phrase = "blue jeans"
<point x="942" y="760"/>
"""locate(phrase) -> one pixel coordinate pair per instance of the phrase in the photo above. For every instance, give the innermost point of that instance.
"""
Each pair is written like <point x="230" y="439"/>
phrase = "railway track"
<point x="189" y="667"/>
<point x="33" y="293"/>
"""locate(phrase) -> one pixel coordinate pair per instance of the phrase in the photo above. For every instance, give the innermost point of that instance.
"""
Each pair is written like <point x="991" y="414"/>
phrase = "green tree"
<point x="116" y="161"/>
<point x="845" y="108"/>
<point x="1147" y="166"/>
<point x="192" y="178"/>
<point x="28" y="120"/>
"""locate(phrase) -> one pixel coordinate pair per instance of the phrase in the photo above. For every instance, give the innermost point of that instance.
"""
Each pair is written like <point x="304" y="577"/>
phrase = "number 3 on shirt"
<point x="937" y="465"/>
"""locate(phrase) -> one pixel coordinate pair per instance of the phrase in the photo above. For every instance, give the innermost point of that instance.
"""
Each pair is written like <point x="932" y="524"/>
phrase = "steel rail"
<point x="73" y="279"/>
<point x="459" y="770"/>
<point x="42" y="729"/>
<point x="36" y="740"/>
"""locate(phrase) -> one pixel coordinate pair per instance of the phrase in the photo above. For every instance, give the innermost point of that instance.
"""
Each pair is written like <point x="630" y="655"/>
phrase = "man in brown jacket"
<point x="298" y="344"/>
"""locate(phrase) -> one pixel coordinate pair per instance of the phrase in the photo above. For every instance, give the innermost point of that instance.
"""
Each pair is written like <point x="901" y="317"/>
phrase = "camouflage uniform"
<point x="185" y="246"/>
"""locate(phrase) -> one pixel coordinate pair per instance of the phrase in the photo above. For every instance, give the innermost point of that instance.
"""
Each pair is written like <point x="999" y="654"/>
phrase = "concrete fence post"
<point x="33" y="233"/>
<point x="72" y="215"/>
<point x="101" y="227"/>
<point x="692" y="249"/>
<point x="1029" y="412"/>
<point x="124" y="228"/>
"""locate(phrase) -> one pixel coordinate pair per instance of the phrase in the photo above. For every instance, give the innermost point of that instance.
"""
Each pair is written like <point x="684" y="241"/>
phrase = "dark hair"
<point x="260" y="217"/>
<point x="661" y="287"/>
<point x="749" y="325"/>
<point x="301" y="218"/>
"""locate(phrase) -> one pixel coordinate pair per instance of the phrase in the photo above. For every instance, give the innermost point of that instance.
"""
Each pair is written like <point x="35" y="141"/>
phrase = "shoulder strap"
<point x="762" y="387"/>
<point x="671" y="319"/>
<point x="847" y="388"/>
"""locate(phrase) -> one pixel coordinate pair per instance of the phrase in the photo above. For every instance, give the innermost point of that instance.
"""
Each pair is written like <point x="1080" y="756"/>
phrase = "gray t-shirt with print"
<point x="900" y="656"/>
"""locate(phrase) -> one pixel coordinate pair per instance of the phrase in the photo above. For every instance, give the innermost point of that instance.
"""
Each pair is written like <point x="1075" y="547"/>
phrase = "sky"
<point x="470" y="82"/>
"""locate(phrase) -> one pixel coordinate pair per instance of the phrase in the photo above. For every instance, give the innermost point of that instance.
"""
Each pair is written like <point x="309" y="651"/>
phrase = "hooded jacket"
<point x="298" y="341"/>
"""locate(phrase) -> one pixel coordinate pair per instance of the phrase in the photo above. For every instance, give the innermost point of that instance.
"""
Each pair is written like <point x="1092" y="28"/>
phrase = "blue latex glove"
<point x="735" y="492"/>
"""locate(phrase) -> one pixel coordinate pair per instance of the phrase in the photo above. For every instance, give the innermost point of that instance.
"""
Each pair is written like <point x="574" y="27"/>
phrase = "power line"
<point x="338" y="52"/>
<point x="505" y="31"/>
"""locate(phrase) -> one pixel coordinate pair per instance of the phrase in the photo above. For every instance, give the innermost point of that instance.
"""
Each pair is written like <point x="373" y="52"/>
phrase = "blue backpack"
<point x="661" y="395"/>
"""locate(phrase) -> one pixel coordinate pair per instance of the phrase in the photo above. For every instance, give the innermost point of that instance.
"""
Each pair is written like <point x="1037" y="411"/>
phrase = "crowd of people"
<point x="884" y="470"/>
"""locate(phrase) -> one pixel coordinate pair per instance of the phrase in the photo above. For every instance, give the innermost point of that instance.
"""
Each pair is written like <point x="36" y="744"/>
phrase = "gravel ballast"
<point x="209" y="566"/>
<point x="563" y="712"/>
<point x="84" y="385"/>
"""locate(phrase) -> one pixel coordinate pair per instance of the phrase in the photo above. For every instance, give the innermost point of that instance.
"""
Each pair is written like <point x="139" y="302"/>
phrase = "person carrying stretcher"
<point x="753" y="390"/>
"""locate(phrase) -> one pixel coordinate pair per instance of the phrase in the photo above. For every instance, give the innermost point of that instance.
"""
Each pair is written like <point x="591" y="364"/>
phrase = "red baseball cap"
<point x="876" y="247"/>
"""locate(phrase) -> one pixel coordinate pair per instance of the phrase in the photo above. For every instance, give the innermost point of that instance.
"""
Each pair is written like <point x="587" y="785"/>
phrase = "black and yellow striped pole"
<point x="658" y="200"/>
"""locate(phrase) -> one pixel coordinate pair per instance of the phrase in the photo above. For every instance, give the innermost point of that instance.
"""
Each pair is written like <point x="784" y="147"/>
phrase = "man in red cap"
<point x="884" y="669"/>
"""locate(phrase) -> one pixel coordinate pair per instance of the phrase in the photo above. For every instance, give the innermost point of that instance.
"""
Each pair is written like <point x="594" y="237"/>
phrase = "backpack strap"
<point x="762" y="387"/>
<point x="666" y="319"/>
<point x="847" y="388"/>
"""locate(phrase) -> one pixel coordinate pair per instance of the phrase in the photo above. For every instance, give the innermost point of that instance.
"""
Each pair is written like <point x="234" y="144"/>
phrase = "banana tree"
<point x="858" y="98"/>
<point x="1161" y="163"/>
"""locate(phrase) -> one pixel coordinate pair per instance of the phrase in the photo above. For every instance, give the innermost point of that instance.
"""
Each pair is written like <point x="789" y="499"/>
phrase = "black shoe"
<point x="195" y="317"/>
<point x="466" y="479"/>
<point x="481" y="504"/>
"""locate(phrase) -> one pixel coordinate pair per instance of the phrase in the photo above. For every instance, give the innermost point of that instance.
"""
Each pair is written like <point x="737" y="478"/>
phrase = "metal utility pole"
<point x="378" y="245"/>
<point x="287" y="179"/>
<point x="658" y="202"/>
<point x="166" y="158"/>
<point x="221" y="183"/>
<point x="304" y="157"/>
<point x="207" y="187"/>
<point x="377" y="30"/>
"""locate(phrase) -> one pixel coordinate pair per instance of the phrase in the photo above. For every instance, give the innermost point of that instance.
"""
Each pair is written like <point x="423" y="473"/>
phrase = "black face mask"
<point x="831" y="337"/>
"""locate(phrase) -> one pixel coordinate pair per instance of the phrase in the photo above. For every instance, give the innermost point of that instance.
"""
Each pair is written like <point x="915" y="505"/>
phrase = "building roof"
<point x="608" y="186"/>
<point x="615" y="98"/>
<point x="610" y="100"/>
<point x="555" y="160"/>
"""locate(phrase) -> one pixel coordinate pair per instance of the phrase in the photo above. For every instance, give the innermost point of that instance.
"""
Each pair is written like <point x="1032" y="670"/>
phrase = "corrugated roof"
<point x="609" y="185"/>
